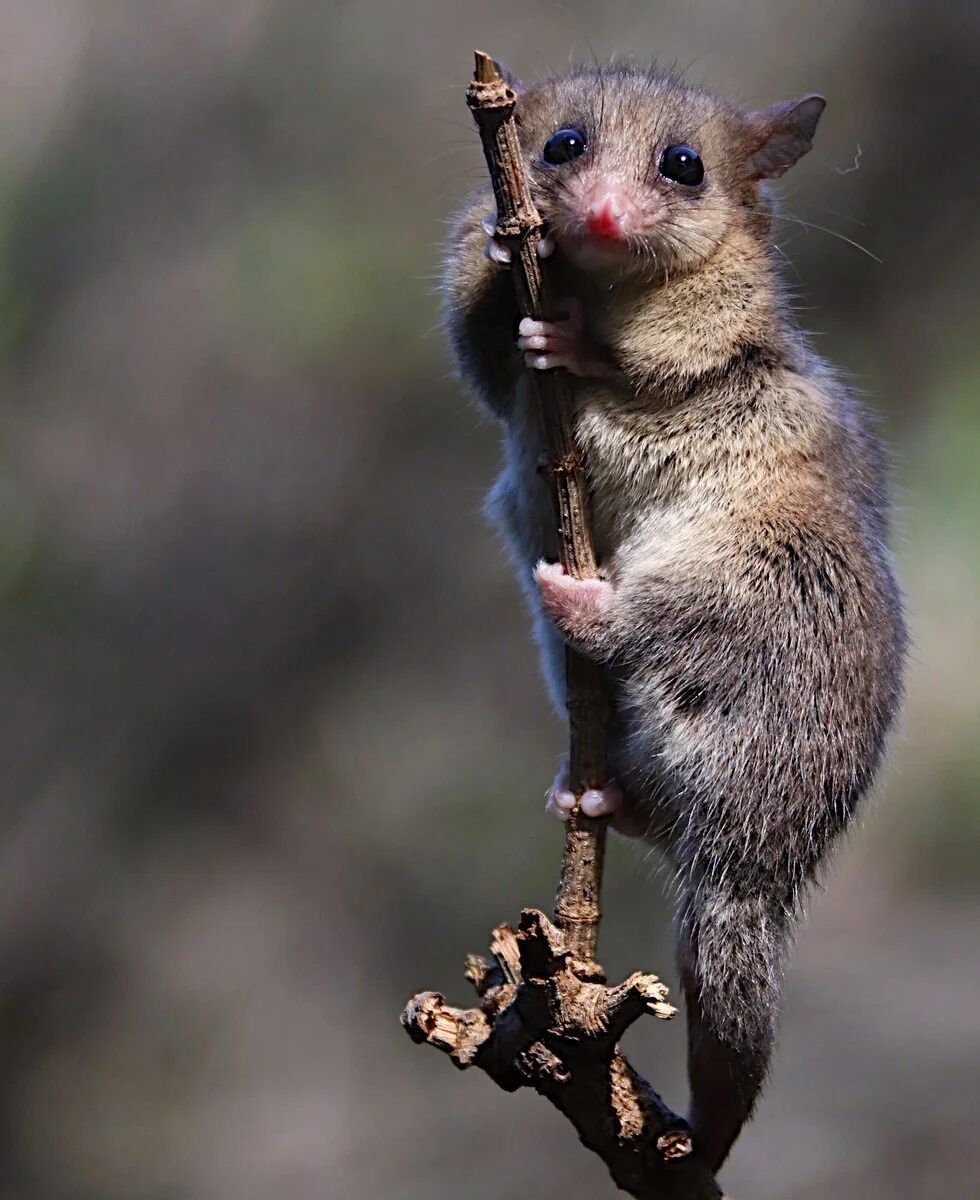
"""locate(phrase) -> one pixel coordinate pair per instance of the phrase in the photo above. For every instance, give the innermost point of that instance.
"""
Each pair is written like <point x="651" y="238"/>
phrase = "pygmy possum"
<point x="747" y="616"/>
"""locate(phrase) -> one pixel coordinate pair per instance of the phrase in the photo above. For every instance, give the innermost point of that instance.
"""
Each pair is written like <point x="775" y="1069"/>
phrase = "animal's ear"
<point x="785" y="133"/>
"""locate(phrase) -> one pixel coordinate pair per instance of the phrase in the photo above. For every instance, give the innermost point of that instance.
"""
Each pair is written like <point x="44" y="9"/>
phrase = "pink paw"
<point x="579" y="607"/>
<point x="564" y="343"/>
<point x="595" y="802"/>
<point x="498" y="252"/>
<point x="550" y="344"/>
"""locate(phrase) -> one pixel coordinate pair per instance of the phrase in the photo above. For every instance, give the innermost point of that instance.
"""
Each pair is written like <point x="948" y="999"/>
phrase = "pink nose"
<point x="605" y="217"/>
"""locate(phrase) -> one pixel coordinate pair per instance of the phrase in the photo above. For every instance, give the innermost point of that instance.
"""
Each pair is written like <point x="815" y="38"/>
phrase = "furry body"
<point x="753" y="634"/>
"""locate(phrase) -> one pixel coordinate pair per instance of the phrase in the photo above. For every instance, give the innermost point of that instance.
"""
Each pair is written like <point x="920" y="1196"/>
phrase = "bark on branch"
<point x="547" y="1018"/>
<point x="493" y="104"/>
<point x="549" y="1021"/>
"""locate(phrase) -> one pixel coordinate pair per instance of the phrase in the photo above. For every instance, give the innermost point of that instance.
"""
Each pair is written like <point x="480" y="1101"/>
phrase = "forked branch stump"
<point x="550" y="1022"/>
<point x="547" y="1018"/>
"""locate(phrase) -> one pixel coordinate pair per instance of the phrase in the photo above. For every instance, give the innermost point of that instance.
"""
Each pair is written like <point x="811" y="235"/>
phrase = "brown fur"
<point x="755" y="644"/>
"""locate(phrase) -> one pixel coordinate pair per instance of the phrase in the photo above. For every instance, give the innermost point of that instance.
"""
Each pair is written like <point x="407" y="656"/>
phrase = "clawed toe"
<point x="602" y="802"/>
<point x="561" y="343"/>
<point x="561" y="801"/>
<point x="546" y="344"/>
<point x="596" y="802"/>
<point x="495" y="249"/>
<point x="497" y="252"/>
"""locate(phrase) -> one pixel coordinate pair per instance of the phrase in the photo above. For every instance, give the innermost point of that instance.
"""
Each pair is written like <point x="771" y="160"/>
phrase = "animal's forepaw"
<point x="499" y="252"/>
<point x="579" y="607"/>
<point x="495" y="249"/>
<point x="596" y="802"/>
<point x="562" y="343"/>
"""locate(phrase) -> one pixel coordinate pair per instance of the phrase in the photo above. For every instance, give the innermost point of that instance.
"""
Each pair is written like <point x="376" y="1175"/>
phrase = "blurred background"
<point x="275" y="747"/>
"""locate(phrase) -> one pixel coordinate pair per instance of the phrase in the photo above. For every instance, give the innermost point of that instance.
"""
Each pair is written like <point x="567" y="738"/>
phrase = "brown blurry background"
<point x="275" y="747"/>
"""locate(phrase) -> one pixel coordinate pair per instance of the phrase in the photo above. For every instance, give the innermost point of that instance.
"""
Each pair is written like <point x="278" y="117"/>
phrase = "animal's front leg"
<point x="582" y="610"/>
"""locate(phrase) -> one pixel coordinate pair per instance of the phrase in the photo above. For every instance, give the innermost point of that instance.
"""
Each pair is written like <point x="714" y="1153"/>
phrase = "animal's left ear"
<point x="785" y="133"/>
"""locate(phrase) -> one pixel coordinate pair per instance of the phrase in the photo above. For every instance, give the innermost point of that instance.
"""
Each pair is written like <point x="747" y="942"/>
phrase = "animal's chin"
<point x="604" y="254"/>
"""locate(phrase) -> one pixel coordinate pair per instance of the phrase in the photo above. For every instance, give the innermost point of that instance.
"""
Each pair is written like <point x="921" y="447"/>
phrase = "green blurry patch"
<point x="45" y="219"/>
<point x="316" y="285"/>
<point x="19" y="541"/>
<point x="936" y="823"/>
<point x="14" y="297"/>
<point x="943" y="458"/>
<point x="940" y="835"/>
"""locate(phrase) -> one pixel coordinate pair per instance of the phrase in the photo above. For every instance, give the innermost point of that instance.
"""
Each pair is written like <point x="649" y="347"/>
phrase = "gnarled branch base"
<point x="551" y="1022"/>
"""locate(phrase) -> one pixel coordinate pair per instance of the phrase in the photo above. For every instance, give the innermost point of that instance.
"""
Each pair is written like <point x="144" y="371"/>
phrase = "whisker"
<point x="786" y="259"/>
<point x="846" y="217"/>
<point x="833" y="233"/>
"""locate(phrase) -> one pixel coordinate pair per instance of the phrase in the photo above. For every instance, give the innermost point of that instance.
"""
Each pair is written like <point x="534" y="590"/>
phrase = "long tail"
<point x="730" y="952"/>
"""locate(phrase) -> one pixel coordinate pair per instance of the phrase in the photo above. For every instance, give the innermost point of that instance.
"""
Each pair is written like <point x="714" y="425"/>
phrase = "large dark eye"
<point x="563" y="146"/>
<point x="682" y="165"/>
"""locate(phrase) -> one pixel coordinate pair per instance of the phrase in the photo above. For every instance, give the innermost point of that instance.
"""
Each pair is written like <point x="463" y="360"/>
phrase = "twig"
<point x="493" y="105"/>
<point x="548" y="1019"/>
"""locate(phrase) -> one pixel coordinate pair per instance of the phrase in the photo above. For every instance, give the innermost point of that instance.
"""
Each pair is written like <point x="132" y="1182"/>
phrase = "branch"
<point x="547" y="1018"/>
<point x="493" y="105"/>
<point x="550" y="1022"/>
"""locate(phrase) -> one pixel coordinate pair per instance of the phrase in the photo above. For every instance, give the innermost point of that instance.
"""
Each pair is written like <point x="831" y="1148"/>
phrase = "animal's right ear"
<point x="785" y="133"/>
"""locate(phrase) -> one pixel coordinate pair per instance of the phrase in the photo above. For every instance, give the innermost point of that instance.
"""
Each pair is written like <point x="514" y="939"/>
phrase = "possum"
<point x="746" y="614"/>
